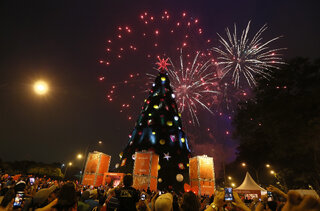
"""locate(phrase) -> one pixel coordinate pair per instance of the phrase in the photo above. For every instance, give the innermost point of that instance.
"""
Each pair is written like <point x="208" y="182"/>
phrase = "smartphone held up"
<point x="228" y="194"/>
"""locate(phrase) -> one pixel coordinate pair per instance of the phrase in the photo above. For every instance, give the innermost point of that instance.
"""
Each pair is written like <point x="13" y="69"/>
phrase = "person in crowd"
<point x="190" y="202"/>
<point x="296" y="202"/>
<point x="112" y="202"/>
<point x="91" y="198"/>
<point x="7" y="201"/>
<point x="143" y="204"/>
<point x="164" y="202"/>
<point x="81" y="205"/>
<point x="127" y="195"/>
<point x="67" y="198"/>
<point x="44" y="196"/>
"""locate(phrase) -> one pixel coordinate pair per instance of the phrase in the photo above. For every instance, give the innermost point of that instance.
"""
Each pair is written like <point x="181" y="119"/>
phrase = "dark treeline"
<point x="280" y="126"/>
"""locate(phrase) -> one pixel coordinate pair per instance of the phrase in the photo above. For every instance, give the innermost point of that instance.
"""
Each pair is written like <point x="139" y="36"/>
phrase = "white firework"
<point x="242" y="57"/>
<point x="193" y="85"/>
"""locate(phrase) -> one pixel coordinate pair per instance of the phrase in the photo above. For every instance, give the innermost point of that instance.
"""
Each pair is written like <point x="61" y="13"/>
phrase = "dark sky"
<point x="61" y="41"/>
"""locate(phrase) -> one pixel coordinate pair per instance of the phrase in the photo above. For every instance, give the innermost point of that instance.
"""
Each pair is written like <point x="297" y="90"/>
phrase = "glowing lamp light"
<point x="229" y="178"/>
<point x="40" y="87"/>
<point x="243" y="164"/>
<point x="233" y="185"/>
<point x="79" y="156"/>
<point x="70" y="163"/>
<point x="268" y="165"/>
<point x="272" y="172"/>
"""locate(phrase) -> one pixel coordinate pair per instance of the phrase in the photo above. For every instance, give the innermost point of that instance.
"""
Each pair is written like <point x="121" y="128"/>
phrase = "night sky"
<point x="62" y="41"/>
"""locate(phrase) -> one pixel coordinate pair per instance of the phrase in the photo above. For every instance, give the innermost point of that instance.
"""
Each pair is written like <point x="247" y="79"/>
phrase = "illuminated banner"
<point x="96" y="166"/>
<point x="112" y="179"/>
<point x="201" y="171"/>
<point x="145" y="172"/>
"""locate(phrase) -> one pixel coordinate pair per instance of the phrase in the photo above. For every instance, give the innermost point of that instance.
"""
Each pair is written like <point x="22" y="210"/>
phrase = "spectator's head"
<point x="3" y="191"/>
<point x="7" y="198"/>
<point x="190" y="202"/>
<point x="67" y="197"/>
<point x="164" y="202"/>
<point x="127" y="180"/>
<point x="85" y="195"/>
<point x="272" y="205"/>
<point x="94" y="194"/>
<point x="20" y="186"/>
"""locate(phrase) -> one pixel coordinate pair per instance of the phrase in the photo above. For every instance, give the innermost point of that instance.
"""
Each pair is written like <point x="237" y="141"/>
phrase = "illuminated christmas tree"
<point x="159" y="129"/>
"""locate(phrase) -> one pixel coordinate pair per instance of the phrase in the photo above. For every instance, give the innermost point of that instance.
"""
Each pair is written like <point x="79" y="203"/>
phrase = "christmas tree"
<point x="159" y="129"/>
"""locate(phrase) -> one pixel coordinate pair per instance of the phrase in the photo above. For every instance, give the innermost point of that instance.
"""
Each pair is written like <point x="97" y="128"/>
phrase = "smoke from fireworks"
<point x="242" y="57"/>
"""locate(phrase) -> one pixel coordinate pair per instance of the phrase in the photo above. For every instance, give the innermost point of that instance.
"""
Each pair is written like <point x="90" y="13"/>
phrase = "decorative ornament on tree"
<point x="159" y="180"/>
<point x="179" y="177"/>
<point x="181" y="166"/>
<point x="169" y="123"/>
<point x="166" y="156"/>
<point x="123" y="162"/>
<point x="162" y="141"/>
<point x="162" y="64"/>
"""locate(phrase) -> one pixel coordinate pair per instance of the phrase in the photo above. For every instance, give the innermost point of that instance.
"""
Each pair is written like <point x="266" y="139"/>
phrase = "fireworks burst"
<point x="138" y="44"/>
<point x="194" y="84"/>
<point x="247" y="58"/>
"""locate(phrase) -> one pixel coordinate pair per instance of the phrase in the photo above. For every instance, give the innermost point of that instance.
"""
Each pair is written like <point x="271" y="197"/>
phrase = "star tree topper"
<point x="162" y="64"/>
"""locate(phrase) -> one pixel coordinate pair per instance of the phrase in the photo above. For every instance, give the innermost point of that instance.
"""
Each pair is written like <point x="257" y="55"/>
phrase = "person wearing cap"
<point x="164" y="202"/>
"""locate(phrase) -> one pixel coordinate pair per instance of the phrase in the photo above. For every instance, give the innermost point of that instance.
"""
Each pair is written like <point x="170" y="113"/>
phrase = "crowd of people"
<point x="43" y="194"/>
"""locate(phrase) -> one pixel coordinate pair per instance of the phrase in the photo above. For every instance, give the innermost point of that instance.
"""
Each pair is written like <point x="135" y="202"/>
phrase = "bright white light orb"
<point x="40" y="87"/>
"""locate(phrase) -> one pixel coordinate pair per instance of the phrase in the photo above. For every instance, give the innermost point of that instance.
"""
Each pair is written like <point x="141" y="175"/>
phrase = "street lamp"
<point x="272" y="172"/>
<point x="79" y="156"/>
<point x="100" y="142"/>
<point x="41" y="87"/>
<point x="65" y="171"/>
<point x="256" y="171"/>
<point x="268" y="165"/>
<point x="233" y="185"/>
<point x="229" y="178"/>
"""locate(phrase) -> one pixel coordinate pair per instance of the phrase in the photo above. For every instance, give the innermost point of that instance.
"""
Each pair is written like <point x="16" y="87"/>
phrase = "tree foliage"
<point x="281" y="124"/>
<point x="31" y="167"/>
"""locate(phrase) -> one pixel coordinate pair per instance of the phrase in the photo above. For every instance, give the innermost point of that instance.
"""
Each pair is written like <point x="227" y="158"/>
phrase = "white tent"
<point x="249" y="186"/>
